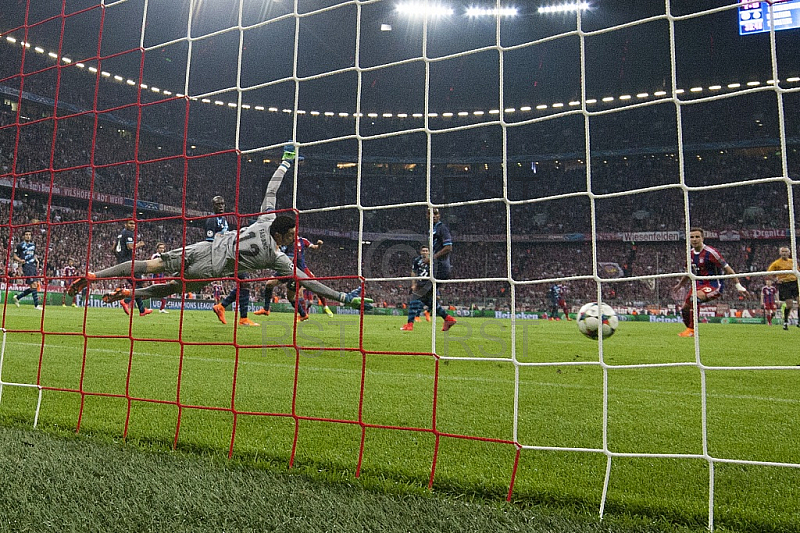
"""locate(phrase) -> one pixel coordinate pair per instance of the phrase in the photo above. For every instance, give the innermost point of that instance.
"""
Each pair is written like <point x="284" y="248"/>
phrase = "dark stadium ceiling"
<point x="630" y="59"/>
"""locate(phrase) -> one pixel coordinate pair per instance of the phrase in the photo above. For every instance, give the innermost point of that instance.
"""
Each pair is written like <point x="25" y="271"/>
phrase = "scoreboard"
<point x="754" y="17"/>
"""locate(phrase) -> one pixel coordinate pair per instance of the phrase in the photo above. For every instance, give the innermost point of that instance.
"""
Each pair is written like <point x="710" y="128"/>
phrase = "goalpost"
<point x="535" y="143"/>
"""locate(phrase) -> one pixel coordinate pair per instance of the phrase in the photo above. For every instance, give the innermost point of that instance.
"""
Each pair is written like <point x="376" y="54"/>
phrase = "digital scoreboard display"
<point x="754" y="17"/>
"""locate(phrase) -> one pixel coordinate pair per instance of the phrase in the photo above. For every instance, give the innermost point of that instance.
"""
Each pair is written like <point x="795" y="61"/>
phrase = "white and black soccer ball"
<point x="593" y="316"/>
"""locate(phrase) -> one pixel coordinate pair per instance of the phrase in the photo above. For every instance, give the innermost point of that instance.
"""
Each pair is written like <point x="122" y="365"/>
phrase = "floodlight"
<point x="564" y="8"/>
<point x="491" y="12"/>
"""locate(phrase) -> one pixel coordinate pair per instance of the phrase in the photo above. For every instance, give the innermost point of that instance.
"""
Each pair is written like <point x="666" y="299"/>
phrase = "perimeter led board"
<point x="754" y="17"/>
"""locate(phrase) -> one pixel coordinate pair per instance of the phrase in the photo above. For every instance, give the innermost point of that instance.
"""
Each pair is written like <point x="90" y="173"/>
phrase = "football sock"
<point x="301" y="306"/>
<point x="267" y="297"/>
<point x="414" y="309"/>
<point x="244" y="302"/>
<point x="229" y="299"/>
<point x="687" y="317"/>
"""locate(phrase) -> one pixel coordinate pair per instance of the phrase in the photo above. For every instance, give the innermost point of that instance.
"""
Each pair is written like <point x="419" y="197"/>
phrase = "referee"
<point x="787" y="283"/>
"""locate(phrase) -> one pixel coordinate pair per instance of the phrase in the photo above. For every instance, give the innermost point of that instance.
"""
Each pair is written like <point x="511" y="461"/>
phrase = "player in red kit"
<point x="303" y="244"/>
<point x="217" y="291"/>
<point x="769" y="300"/>
<point x="706" y="261"/>
<point x="70" y="274"/>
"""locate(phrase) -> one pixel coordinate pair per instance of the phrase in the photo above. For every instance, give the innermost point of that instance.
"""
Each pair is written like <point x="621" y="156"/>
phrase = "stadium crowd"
<point x="636" y="184"/>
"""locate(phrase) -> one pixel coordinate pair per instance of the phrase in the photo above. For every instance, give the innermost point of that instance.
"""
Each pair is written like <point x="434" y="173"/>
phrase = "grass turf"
<point x="317" y="397"/>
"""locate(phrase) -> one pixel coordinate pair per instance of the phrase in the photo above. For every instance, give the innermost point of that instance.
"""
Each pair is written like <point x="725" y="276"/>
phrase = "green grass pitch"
<point x="661" y="416"/>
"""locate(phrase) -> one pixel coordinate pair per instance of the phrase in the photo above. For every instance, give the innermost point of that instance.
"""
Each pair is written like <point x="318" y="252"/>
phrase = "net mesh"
<point x="579" y="153"/>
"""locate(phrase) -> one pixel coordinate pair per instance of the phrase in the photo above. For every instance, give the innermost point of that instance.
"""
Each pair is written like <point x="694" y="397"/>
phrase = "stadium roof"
<point x="463" y="67"/>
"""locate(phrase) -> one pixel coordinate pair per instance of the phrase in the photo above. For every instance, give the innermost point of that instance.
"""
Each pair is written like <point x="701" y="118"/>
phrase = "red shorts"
<point x="770" y="307"/>
<point x="710" y="292"/>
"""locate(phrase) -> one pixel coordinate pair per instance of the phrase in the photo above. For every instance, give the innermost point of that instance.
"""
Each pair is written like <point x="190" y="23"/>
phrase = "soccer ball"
<point x="592" y="316"/>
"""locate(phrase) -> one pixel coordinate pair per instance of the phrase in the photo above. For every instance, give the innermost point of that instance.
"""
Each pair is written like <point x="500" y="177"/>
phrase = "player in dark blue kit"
<point x="422" y="289"/>
<point x="557" y="296"/>
<point x="124" y="250"/>
<point x="26" y="255"/>
<point x="219" y="224"/>
<point x="420" y="268"/>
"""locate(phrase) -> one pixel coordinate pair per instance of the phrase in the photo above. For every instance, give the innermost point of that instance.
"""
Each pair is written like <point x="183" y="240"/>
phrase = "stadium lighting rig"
<point x="423" y="9"/>
<point x="608" y="100"/>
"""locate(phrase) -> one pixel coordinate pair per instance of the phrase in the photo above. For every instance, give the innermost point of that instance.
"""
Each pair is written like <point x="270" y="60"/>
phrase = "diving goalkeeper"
<point x="257" y="247"/>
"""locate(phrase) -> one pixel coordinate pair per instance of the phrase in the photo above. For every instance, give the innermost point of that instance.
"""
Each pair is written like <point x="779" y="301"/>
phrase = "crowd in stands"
<point x="537" y="195"/>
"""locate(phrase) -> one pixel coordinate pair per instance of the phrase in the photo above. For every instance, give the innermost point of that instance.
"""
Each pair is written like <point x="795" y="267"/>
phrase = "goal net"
<point x="572" y="147"/>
